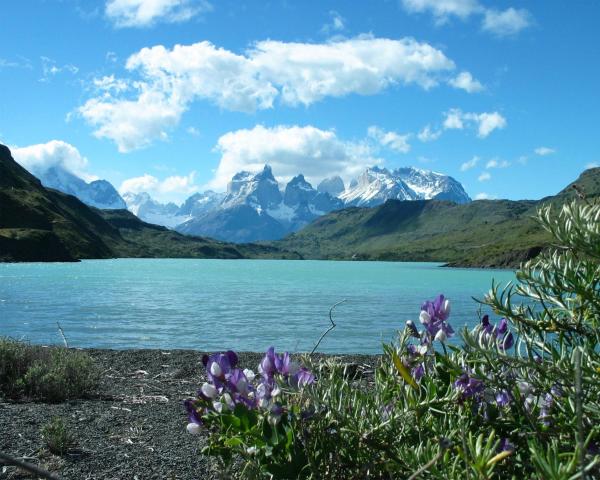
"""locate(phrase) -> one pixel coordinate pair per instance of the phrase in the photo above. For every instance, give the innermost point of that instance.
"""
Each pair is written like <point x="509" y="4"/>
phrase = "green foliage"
<point x="482" y="410"/>
<point x="49" y="374"/>
<point x="57" y="437"/>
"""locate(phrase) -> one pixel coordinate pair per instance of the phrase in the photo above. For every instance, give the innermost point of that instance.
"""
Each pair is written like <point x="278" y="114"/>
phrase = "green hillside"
<point x="39" y="224"/>
<point x="486" y="233"/>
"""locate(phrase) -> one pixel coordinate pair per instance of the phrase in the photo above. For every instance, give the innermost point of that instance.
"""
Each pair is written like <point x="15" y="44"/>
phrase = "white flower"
<point x="276" y="391"/>
<point x="193" y="428"/>
<point x="424" y="318"/>
<point x="441" y="336"/>
<point x="209" y="390"/>
<point x="446" y="307"/>
<point x="218" y="407"/>
<point x="252" y="450"/>
<point x="228" y="400"/>
<point x="250" y="375"/>
<point x="215" y="369"/>
<point x="242" y="385"/>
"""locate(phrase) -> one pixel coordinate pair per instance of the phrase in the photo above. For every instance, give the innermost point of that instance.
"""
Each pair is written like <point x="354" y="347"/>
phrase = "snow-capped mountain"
<point x="99" y="193"/>
<point x="432" y="185"/>
<point x="376" y="185"/>
<point x="255" y="209"/>
<point x="145" y="207"/>
<point x="201" y="203"/>
<point x="334" y="186"/>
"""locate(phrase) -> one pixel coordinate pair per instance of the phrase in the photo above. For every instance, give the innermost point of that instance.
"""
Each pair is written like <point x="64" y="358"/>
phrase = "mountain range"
<point x="483" y="233"/>
<point x="43" y="224"/>
<point x="255" y="207"/>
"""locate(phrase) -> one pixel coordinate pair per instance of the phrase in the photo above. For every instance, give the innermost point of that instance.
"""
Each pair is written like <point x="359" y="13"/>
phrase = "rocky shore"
<point x="133" y="428"/>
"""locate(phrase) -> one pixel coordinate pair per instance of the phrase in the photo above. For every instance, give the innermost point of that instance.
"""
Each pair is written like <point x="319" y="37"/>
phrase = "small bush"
<point x="51" y="374"/>
<point x="57" y="437"/>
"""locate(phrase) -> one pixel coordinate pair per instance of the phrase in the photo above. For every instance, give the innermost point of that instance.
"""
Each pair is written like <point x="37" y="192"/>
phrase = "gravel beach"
<point x="134" y="428"/>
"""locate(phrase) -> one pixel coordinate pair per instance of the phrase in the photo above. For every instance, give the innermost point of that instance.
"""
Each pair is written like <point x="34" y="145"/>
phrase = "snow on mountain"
<point x="432" y="185"/>
<point x="99" y="193"/>
<point x="254" y="208"/>
<point x="334" y="186"/>
<point x="145" y="207"/>
<point x="376" y="185"/>
<point x="201" y="203"/>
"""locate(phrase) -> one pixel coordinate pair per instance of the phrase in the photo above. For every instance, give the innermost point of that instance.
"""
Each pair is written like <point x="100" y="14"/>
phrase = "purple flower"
<point x="468" y="386"/>
<point x="193" y="415"/>
<point x="284" y="364"/>
<point x="218" y="365"/>
<point x="486" y="326"/>
<point x="418" y="372"/>
<point x="438" y="309"/>
<point x="506" y="446"/>
<point x="302" y="378"/>
<point x="237" y="382"/>
<point x="267" y="365"/>
<point x="502" y="398"/>
<point x="433" y="316"/>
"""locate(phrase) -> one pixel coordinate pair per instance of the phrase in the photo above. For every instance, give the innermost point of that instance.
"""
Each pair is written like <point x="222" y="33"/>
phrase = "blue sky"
<point x="174" y="96"/>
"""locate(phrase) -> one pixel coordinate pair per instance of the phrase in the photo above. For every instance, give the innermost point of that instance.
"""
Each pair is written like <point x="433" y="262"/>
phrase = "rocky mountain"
<point x="39" y="224"/>
<point x="99" y="193"/>
<point x="149" y="210"/>
<point x="254" y="208"/>
<point x="377" y="185"/>
<point x="334" y="186"/>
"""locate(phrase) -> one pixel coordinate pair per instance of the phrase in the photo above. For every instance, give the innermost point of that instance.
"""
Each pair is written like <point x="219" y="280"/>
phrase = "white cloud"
<point x="454" y="120"/>
<point x="500" y="23"/>
<point x="592" y="165"/>
<point x="507" y="22"/>
<point x="465" y="81"/>
<point x="427" y="134"/>
<point x="171" y="189"/>
<point x="495" y="163"/>
<point x="132" y="124"/>
<point x="50" y="69"/>
<point x="468" y="165"/>
<point x="442" y="10"/>
<point x="484" y="196"/>
<point x="485" y="176"/>
<point x="290" y="150"/>
<point x="543" y="151"/>
<point x="145" y="13"/>
<point x="55" y="153"/>
<point x="337" y="23"/>
<point x="392" y="140"/>
<point x="193" y="131"/>
<point x="292" y="73"/>
<point x="485" y="122"/>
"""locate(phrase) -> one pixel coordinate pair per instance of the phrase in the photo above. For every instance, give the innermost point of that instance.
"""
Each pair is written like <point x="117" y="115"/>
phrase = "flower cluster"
<point x="229" y="386"/>
<point x="434" y="318"/>
<point x="499" y="334"/>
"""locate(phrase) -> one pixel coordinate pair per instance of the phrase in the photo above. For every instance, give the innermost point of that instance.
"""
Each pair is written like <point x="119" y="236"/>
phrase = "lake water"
<point x="220" y="304"/>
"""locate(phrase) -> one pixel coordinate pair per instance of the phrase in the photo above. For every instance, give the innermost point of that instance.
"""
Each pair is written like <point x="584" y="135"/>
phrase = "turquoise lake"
<point x="245" y="305"/>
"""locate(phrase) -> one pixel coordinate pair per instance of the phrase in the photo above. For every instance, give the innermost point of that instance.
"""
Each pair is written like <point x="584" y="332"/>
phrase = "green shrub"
<point x="51" y="374"/>
<point x="57" y="437"/>
<point x="519" y="398"/>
